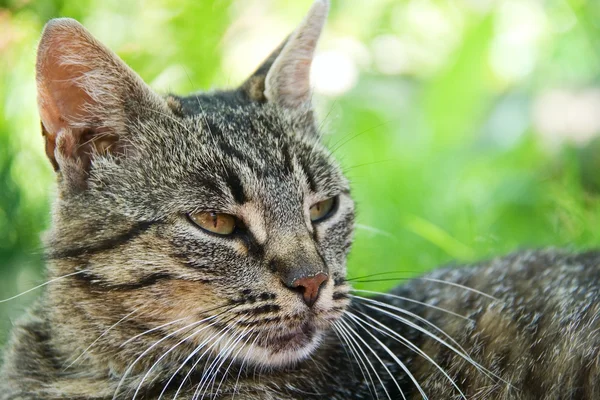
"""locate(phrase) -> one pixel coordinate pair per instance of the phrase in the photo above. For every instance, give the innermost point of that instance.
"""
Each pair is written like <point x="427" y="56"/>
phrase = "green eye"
<point x="221" y="224"/>
<point x="322" y="209"/>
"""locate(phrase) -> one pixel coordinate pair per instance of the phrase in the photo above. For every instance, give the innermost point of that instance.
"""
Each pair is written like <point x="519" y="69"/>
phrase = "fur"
<point x="145" y="304"/>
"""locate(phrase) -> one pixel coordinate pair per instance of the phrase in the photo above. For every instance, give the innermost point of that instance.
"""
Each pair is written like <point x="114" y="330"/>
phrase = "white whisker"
<point x="413" y="315"/>
<point x="375" y="231"/>
<point x="352" y="335"/>
<point x="43" y="284"/>
<point x="394" y="357"/>
<point x="189" y="357"/>
<point x="458" y="285"/>
<point x="411" y="324"/>
<point x="208" y="371"/>
<point x="401" y="339"/>
<point x="222" y="333"/>
<point x="167" y="353"/>
<point x="209" y="375"/>
<point x="234" y="344"/>
<point x="237" y="380"/>
<point x="152" y="330"/>
<point x="359" y="360"/>
<point x="130" y="368"/>
<point x="409" y="300"/>
<point x="100" y="337"/>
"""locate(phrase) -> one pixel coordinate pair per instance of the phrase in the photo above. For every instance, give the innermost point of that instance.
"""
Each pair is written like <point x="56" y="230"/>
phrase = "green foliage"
<point x="445" y="155"/>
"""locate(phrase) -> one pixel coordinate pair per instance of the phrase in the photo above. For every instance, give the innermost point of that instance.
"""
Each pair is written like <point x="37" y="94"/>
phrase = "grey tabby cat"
<point x="198" y="250"/>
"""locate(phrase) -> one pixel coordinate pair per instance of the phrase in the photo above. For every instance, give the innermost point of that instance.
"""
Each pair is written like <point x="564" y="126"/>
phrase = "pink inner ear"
<point x="61" y="98"/>
<point x="82" y="91"/>
<point x="62" y="105"/>
<point x="68" y="56"/>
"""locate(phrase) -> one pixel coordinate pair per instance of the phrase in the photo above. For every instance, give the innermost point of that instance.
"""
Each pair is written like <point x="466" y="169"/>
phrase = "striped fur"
<point x="147" y="305"/>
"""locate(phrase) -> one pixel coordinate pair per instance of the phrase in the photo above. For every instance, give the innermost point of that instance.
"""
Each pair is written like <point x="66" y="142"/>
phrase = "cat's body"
<point x="540" y="334"/>
<point x="198" y="250"/>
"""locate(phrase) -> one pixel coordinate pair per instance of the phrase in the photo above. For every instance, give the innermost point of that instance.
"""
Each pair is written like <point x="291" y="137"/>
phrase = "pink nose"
<point x="310" y="287"/>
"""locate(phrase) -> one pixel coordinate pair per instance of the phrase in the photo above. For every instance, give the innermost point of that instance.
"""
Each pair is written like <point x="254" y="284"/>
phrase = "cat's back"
<point x="531" y="319"/>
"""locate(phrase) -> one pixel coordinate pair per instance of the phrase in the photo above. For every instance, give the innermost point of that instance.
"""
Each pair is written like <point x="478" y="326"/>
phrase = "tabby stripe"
<point x="98" y="282"/>
<point x="339" y="295"/>
<point x="288" y="159"/>
<point x="266" y="309"/>
<point x="103" y="245"/>
<point x="235" y="153"/>
<point x="312" y="184"/>
<point x="338" y="281"/>
<point x="235" y="185"/>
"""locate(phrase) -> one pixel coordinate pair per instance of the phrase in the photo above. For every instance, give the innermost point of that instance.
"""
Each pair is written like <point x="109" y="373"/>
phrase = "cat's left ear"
<point x="284" y="78"/>
<point x="88" y="99"/>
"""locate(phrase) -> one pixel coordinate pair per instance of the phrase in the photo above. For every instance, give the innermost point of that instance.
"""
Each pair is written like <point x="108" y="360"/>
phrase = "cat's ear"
<point x="86" y="97"/>
<point x="284" y="78"/>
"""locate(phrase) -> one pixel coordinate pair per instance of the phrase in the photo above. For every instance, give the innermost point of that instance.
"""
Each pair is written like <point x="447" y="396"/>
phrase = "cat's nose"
<point x="310" y="287"/>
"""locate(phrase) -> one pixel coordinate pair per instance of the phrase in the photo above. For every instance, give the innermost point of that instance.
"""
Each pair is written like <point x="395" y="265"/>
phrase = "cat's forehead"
<point x="221" y="153"/>
<point x="264" y="138"/>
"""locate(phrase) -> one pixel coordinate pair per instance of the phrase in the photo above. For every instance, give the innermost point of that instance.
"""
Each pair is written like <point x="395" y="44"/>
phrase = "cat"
<point x="198" y="250"/>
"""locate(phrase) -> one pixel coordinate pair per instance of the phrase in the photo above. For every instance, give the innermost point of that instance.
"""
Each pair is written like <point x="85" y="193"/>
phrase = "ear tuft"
<point x="284" y="78"/>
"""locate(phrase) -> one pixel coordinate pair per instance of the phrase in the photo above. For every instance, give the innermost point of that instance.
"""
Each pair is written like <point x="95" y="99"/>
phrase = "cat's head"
<point x="217" y="217"/>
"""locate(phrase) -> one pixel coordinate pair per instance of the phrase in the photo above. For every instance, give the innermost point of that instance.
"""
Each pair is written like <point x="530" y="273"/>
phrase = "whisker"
<point x="345" y="347"/>
<point x="464" y="356"/>
<point x="401" y="339"/>
<point x="168" y="352"/>
<point x="384" y="273"/>
<point x="100" y="337"/>
<point x="209" y="375"/>
<point x="196" y="350"/>
<point x="169" y="323"/>
<point x="373" y="229"/>
<point x="409" y="300"/>
<point x="360" y="279"/>
<point x="237" y="380"/>
<point x="130" y="368"/>
<point x="44" y="284"/>
<point x="343" y="141"/>
<point x="394" y="357"/>
<point x="394" y="279"/>
<point x="360" y="362"/>
<point x="366" y="164"/>
<point x="208" y="371"/>
<point x="413" y="315"/>
<point x="320" y="132"/>
<point x="189" y="357"/>
<point x="353" y="334"/>
<point x="459" y="286"/>
<point x="222" y="332"/>
<point x="233" y="345"/>
<point x="152" y="330"/>
<point x="235" y="356"/>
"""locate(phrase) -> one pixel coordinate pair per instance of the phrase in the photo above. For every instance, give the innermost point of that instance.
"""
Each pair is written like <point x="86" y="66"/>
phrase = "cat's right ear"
<point x="284" y="77"/>
<point x="87" y="98"/>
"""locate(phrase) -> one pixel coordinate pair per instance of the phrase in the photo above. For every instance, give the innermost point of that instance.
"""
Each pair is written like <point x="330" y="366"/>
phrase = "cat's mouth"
<point x="293" y="339"/>
<point x="283" y="346"/>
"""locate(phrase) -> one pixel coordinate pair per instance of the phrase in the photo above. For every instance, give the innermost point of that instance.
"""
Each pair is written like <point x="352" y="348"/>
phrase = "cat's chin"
<point x="284" y="349"/>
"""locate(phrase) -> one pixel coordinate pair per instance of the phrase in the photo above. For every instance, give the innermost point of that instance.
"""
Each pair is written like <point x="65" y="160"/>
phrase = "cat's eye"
<point x="221" y="224"/>
<point x="322" y="209"/>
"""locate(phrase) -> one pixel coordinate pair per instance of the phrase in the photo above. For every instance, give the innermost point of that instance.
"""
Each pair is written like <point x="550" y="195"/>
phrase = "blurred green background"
<point x="468" y="127"/>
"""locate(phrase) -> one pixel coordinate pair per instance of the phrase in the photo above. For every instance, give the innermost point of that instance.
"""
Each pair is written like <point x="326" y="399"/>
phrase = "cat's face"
<point x="215" y="221"/>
